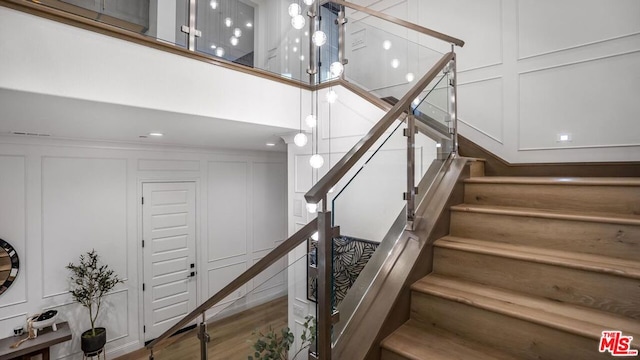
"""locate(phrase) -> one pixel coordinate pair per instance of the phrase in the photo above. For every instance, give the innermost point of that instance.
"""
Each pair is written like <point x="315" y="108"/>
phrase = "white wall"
<point x="533" y="69"/>
<point x="62" y="198"/>
<point x="48" y="57"/>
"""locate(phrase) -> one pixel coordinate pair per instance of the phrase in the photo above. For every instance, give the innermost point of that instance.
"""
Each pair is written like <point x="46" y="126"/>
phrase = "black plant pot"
<point x="92" y="344"/>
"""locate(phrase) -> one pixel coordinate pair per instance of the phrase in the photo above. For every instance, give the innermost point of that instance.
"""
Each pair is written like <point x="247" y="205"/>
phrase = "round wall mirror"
<point x="9" y="265"/>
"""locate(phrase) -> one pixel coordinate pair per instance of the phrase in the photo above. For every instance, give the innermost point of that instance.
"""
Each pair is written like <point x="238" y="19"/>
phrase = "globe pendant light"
<point x="300" y="139"/>
<point x="316" y="161"/>
<point x="319" y="38"/>
<point x="237" y="32"/>
<point x="311" y="121"/>
<point x="298" y="22"/>
<point x="308" y="2"/>
<point x="336" y="69"/>
<point x="294" y="9"/>
<point x="233" y="41"/>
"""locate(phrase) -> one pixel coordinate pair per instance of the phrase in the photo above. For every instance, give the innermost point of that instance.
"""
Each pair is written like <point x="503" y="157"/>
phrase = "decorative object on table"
<point x="39" y="346"/>
<point x="18" y="330"/>
<point x="9" y="265"/>
<point x="41" y="321"/>
<point x="33" y="333"/>
<point x="90" y="282"/>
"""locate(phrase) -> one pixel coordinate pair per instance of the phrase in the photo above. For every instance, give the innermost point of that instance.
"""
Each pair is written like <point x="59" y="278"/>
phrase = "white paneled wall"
<point x="63" y="198"/>
<point x="531" y="70"/>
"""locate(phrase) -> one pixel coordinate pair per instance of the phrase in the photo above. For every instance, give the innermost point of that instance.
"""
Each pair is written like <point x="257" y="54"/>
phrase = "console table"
<point x="38" y="346"/>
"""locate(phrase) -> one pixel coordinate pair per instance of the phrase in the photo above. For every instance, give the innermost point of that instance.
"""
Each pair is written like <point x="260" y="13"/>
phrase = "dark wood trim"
<point x="496" y="166"/>
<point x="87" y="23"/>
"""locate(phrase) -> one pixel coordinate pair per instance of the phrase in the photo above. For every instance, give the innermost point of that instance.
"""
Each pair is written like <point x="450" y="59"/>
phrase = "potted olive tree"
<point x="89" y="283"/>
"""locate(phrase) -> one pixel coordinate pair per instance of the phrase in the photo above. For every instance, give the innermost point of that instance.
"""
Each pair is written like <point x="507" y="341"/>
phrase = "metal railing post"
<point x="341" y="22"/>
<point x="453" y="100"/>
<point x="313" y="26"/>
<point x="325" y="274"/>
<point x="410" y="195"/>
<point x="204" y="339"/>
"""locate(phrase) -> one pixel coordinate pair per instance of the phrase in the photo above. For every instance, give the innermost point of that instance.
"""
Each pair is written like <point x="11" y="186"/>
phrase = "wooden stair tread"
<point x="582" y="261"/>
<point x="604" y="217"/>
<point x="570" y="318"/>
<point x="415" y="342"/>
<point x="534" y="180"/>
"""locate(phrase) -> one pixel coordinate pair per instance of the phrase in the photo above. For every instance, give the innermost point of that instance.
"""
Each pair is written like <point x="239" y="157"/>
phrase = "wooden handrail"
<point x="320" y="189"/>
<point x="269" y="259"/>
<point x="403" y="23"/>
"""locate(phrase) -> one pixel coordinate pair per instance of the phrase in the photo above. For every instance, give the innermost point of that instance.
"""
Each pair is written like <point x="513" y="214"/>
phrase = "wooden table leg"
<point x="45" y="354"/>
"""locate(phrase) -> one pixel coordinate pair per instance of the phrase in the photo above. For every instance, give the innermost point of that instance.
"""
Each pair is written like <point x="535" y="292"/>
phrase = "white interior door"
<point x="169" y="254"/>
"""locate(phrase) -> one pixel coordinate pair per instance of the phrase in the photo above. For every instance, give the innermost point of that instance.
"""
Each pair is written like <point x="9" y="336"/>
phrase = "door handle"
<point x="192" y="274"/>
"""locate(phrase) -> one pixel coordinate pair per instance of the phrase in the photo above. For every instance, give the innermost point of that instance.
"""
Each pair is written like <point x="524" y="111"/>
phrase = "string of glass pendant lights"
<point x="336" y="69"/>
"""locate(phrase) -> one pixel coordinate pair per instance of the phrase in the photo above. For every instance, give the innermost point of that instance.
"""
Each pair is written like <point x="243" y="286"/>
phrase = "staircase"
<point x="533" y="268"/>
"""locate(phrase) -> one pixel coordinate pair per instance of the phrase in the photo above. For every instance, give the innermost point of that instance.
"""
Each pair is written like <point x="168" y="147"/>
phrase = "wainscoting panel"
<point x="604" y="114"/>
<point x="483" y="110"/>
<point x="483" y="44"/>
<point x="13" y="222"/>
<point x="273" y="277"/>
<point x="269" y="200"/>
<point x="303" y="173"/>
<point x="84" y="204"/>
<point x="219" y="277"/>
<point x="227" y="209"/>
<point x="549" y="26"/>
<point x="168" y="165"/>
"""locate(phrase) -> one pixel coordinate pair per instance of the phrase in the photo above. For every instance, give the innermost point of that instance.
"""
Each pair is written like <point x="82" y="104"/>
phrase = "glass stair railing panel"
<point x="259" y="37"/>
<point x="433" y="109"/>
<point x="160" y="20"/>
<point x="382" y="57"/>
<point x="370" y="196"/>
<point x="230" y="31"/>
<point x="256" y="318"/>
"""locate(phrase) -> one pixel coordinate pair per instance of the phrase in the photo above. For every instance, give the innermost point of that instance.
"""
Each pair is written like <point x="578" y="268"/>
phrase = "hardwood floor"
<point x="231" y="338"/>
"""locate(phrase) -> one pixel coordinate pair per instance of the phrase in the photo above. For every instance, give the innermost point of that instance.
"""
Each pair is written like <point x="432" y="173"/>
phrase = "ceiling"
<point x="67" y="118"/>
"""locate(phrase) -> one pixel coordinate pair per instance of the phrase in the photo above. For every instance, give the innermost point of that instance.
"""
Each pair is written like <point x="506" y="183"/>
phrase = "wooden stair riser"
<point x="606" y="292"/>
<point x="390" y="355"/>
<point x="611" y="199"/>
<point x="521" y="338"/>
<point x="416" y="341"/>
<point x="614" y="240"/>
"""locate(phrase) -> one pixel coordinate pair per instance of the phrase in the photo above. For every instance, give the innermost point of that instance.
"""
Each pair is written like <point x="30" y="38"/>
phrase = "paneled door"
<point x="169" y="254"/>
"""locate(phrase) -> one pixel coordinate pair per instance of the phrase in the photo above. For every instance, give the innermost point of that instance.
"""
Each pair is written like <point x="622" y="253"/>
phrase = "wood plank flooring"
<point x="231" y="338"/>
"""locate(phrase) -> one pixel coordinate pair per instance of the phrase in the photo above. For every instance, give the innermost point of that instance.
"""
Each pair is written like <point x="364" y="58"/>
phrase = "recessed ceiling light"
<point x="249" y="25"/>
<point x="271" y="144"/>
<point x="157" y="134"/>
